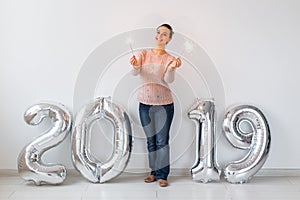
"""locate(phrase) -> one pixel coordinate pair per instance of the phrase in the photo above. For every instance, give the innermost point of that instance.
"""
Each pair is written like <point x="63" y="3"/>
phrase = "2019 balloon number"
<point x="31" y="167"/>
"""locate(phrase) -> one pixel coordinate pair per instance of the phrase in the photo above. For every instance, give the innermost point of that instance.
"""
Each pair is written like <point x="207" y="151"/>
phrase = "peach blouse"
<point x="155" y="77"/>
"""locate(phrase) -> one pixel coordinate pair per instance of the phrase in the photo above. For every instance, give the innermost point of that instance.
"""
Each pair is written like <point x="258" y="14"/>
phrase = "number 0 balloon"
<point x="92" y="169"/>
<point x="30" y="166"/>
<point x="257" y="141"/>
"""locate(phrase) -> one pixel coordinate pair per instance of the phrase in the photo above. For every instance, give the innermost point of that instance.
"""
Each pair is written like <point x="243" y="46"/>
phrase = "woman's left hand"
<point x="175" y="64"/>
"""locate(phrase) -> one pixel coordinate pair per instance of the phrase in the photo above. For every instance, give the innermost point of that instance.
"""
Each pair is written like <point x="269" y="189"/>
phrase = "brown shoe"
<point x="162" y="183"/>
<point x="150" y="179"/>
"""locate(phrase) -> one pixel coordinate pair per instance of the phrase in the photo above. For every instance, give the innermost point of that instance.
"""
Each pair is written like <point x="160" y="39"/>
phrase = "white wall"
<point x="254" y="46"/>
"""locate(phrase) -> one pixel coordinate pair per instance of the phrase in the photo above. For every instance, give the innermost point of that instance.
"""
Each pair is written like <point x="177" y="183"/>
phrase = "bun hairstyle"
<point x="168" y="26"/>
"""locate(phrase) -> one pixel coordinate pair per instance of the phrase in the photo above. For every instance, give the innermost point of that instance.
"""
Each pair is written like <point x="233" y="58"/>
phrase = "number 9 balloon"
<point x="257" y="141"/>
<point x="30" y="165"/>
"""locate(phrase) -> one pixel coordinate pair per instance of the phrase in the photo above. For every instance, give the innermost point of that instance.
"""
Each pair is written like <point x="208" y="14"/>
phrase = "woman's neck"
<point x="158" y="50"/>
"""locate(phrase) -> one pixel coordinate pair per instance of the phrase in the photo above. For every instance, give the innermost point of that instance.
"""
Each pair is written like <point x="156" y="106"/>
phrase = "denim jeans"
<point x="156" y="121"/>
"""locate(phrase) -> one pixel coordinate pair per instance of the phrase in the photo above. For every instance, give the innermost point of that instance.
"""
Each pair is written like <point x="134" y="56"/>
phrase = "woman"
<point x="156" y="68"/>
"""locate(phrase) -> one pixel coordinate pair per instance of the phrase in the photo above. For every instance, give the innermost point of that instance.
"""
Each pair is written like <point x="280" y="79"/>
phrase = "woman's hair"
<point x="168" y="26"/>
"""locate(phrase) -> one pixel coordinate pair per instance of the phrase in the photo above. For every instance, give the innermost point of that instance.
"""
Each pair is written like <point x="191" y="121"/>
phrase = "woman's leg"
<point x="146" y="118"/>
<point x="163" y="119"/>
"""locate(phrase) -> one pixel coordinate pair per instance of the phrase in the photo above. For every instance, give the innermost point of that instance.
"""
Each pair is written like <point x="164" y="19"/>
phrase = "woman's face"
<point x="162" y="36"/>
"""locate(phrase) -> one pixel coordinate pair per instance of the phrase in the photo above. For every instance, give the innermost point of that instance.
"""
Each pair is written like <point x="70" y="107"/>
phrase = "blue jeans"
<point x="156" y="121"/>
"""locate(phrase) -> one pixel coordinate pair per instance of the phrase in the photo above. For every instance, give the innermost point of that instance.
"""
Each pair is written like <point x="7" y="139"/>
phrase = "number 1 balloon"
<point x="30" y="165"/>
<point x="203" y="114"/>
<point x="258" y="141"/>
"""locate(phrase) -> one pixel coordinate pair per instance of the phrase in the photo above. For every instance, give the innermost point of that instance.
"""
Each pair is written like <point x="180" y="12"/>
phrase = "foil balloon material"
<point x="30" y="165"/>
<point x="255" y="137"/>
<point x="83" y="160"/>
<point x="203" y="114"/>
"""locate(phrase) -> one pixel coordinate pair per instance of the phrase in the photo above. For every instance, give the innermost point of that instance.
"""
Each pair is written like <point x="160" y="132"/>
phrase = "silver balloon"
<point x="257" y="140"/>
<point x="30" y="165"/>
<point x="92" y="169"/>
<point x="203" y="114"/>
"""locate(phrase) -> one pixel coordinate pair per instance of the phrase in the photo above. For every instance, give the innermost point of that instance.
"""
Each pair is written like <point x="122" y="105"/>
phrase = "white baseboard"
<point x="173" y="172"/>
<point x="278" y="172"/>
<point x="186" y="172"/>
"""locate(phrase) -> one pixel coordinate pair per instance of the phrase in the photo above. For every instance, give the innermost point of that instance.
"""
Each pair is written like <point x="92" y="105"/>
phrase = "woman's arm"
<point x="169" y="76"/>
<point x="136" y="65"/>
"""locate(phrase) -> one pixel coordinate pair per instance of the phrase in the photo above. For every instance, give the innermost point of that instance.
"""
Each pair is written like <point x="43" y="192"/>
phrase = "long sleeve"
<point x="140" y="56"/>
<point x="135" y="72"/>
<point x="169" y="76"/>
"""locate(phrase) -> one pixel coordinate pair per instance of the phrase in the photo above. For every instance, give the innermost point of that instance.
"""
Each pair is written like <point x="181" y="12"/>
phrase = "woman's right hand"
<point x="135" y="63"/>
